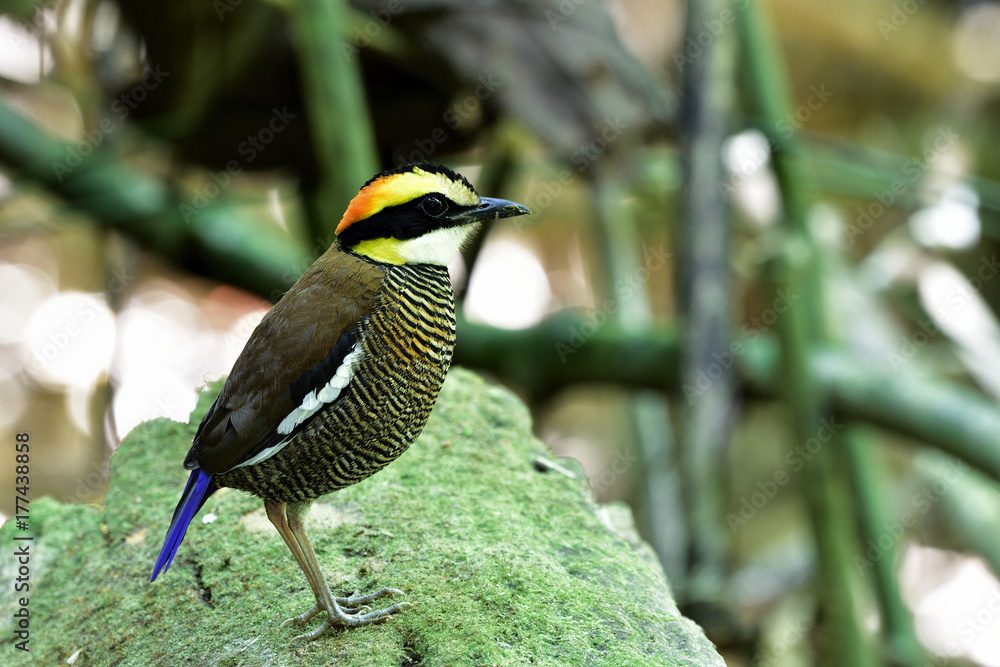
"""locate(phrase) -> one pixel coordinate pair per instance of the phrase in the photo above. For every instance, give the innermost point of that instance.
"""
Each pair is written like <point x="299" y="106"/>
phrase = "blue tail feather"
<point x="199" y="487"/>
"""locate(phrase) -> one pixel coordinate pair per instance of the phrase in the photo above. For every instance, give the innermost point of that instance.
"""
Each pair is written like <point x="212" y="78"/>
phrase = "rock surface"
<point x="504" y="564"/>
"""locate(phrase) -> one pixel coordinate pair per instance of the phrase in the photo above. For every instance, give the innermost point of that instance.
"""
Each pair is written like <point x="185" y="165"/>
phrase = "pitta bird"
<point x="342" y="373"/>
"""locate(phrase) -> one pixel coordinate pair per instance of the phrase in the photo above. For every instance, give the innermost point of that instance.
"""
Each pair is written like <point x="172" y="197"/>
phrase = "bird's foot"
<point x="359" y="600"/>
<point x="302" y="619"/>
<point x="348" y="612"/>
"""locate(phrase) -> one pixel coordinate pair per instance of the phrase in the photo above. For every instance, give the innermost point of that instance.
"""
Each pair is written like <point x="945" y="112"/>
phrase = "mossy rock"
<point x="504" y="564"/>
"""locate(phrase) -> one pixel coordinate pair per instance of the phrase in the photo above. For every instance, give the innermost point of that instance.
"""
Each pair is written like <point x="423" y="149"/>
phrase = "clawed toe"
<point x="348" y="612"/>
<point x="356" y="599"/>
<point x="302" y="619"/>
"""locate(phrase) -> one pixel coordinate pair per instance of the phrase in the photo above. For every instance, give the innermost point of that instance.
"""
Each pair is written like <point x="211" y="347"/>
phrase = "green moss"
<point x="504" y="564"/>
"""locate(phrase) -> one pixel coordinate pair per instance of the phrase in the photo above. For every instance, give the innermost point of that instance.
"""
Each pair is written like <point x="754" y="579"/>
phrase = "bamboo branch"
<point x="342" y="135"/>
<point x="803" y="330"/>
<point x="567" y="349"/>
<point x="659" y="494"/>
<point x="704" y="294"/>
<point x="951" y="417"/>
<point x="251" y="254"/>
<point x="870" y="477"/>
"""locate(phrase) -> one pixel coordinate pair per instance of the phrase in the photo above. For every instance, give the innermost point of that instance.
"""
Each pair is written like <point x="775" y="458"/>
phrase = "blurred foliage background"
<point x="755" y="298"/>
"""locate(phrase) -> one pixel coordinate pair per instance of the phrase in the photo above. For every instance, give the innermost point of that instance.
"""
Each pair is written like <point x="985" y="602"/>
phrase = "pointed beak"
<point x="490" y="209"/>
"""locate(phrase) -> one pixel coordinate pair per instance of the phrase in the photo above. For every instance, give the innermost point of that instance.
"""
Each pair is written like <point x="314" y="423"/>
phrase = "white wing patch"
<point x="264" y="454"/>
<point x="312" y="402"/>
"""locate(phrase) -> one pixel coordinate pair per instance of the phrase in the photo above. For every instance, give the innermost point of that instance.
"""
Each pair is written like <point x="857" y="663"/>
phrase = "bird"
<point x="340" y="376"/>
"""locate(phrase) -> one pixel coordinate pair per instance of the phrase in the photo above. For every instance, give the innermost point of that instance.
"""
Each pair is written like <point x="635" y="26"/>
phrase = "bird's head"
<point x="417" y="214"/>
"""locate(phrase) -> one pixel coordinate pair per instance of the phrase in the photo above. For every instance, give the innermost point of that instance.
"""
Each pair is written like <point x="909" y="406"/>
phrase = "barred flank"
<point x="408" y="343"/>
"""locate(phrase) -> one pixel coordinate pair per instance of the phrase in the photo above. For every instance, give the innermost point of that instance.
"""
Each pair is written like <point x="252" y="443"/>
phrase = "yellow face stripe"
<point x="398" y="189"/>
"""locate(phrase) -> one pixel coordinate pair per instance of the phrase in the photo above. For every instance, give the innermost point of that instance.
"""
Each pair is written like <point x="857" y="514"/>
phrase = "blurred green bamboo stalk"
<point x="568" y="349"/>
<point x="257" y="256"/>
<point x="870" y="479"/>
<point x="802" y="331"/>
<point x="841" y="639"/>
<point x="335" y="100"/>
<point x="660" y="501"/>
<point x="708" y="107"/>
<point x="971" y="509"/>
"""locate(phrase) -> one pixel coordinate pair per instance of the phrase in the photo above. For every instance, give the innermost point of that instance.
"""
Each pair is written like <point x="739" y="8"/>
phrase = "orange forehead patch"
<point x="396" y="189"/>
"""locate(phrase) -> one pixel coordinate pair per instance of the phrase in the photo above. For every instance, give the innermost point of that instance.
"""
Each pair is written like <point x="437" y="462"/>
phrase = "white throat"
<point x="437" y="247"/>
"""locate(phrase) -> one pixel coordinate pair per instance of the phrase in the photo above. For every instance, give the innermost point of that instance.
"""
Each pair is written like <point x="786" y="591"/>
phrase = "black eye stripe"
<point x="402" y="221"/>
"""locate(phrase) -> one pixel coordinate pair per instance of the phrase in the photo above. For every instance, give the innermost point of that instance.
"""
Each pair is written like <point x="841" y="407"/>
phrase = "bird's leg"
<point x="276" y="514"/>
<point x="340" y="611"/>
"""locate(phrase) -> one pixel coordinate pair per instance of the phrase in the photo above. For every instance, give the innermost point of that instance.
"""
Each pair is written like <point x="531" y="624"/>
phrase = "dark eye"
<point x="433" y="206"/>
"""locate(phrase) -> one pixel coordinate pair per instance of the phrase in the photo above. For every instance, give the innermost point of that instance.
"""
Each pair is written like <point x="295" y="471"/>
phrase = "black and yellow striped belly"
<point x="408" y="343"/>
